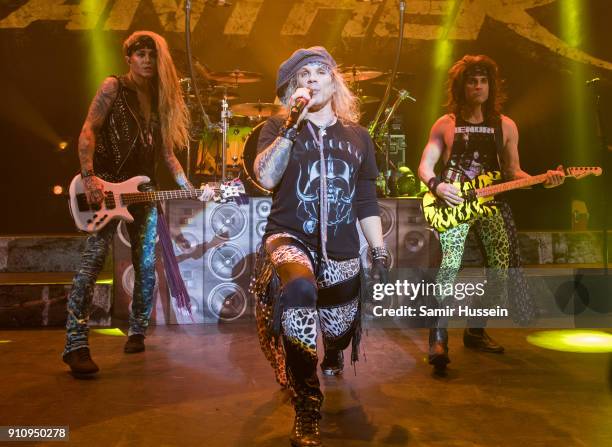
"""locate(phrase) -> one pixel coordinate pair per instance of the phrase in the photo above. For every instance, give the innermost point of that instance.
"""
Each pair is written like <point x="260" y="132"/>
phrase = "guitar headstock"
<point x="579" y="172"/>
<point x="234" y="191"/>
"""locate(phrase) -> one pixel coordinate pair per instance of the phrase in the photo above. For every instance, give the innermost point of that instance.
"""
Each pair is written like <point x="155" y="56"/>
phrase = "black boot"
<point x="306" y="431"/>
<point x="80" y="362"/>
<point x="134" y="343"/>
<point x="333" y="362"/>
<point x="438" y="348"/>
<point x="477" y="338"/>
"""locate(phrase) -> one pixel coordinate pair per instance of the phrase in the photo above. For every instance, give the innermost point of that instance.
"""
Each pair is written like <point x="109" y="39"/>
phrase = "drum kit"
<point x="227" y="149"/>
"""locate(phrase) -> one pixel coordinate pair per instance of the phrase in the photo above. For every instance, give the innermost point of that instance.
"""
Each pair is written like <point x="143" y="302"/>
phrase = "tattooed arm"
<point x="181" y="179"/>
<point x="175" y="168"/>
<point x="270" y="164"/>
<point x="98" y="110"/>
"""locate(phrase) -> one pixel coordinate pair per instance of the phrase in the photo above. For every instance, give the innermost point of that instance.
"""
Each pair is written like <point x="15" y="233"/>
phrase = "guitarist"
<point x="132" y="121"/>
<point x="473" y="138"/>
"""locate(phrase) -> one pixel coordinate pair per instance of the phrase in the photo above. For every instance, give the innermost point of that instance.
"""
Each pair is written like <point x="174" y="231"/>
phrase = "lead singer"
<point x="321" y="167"/>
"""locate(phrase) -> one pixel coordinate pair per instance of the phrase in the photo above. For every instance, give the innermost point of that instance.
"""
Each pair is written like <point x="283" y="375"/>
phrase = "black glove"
<point x="379" y="271"/>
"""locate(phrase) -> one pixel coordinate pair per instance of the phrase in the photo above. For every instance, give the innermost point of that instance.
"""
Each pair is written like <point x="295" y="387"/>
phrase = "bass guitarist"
<point x="132" y="121"/>
<point x="473" y="138"/>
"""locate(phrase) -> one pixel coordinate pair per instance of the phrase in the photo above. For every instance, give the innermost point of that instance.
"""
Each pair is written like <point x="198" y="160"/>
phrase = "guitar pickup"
<point x="109" y="200"/>
<point x="82" y="203"/>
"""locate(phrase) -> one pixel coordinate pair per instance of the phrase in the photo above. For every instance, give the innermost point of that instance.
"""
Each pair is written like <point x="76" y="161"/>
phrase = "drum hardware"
<point x="179" y="57"/>
<point x="248" y="159"/>
<point x="379" y="129"/>
<point x="383" y="140"/>
<point x="401" y="78"/>
<point x="226" y="114"/>
<point x="366" y="99"/>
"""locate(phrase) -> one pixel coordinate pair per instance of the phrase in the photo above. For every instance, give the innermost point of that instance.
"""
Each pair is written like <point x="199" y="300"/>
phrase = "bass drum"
<point x="248" y="158"/>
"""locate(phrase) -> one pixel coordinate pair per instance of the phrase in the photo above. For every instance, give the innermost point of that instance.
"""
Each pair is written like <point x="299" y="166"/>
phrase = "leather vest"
<point x="124" y="146"/>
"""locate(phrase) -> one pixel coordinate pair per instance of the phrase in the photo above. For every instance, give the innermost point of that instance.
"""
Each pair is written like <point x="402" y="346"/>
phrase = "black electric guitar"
<point x="118" y="196"/>
<point x="480" y="190"/>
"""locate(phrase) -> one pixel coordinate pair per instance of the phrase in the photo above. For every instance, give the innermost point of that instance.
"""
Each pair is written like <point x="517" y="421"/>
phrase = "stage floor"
<point x="211" y="386"/>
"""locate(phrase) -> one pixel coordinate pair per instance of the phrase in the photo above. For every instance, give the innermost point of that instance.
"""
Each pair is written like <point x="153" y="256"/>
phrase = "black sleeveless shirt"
<point x="474" y="150"/>
<point x="126" y="145"/>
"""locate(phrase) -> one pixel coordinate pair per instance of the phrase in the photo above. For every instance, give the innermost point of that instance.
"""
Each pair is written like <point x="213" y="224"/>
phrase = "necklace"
<point x="323" y="127"/>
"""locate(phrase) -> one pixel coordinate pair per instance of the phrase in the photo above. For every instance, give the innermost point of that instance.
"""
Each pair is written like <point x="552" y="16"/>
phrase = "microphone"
<point x="296" y="110"/>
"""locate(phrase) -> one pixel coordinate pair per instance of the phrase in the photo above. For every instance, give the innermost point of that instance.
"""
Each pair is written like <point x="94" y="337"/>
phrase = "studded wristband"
<point x="433" y="183"/>
<point x="380" y="253"/>
<point x="287" y="131"/>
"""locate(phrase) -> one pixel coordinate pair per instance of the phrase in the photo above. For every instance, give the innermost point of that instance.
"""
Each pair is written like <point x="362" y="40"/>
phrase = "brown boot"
<point x="438" y="348"/>
<point x="80" y="362"/>
<point x="477" y="338"/>
<point x="134" y="343"/>
<point x="306" y="431"/>
<point x="333" y="362"/>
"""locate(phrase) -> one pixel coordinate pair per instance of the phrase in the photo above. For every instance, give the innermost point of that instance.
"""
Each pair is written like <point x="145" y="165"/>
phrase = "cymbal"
<point x="400" y="77"/>
<point x="365" y="99"/>
<point x="228" y="96"/>
<point x="235" y="76"/>
<point x="356" y="73"/>
<point x="258" y="109"/>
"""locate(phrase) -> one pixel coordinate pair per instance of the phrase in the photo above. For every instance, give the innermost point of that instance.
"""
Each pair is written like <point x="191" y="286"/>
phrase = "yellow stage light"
<point x="58" y="190"/>
<point x="115" y="332"/>
<point x="588" y="341"/>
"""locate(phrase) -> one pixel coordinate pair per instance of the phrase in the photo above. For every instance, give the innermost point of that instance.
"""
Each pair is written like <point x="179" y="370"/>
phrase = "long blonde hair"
<point x="173" y="113"/>
<point x="344" y="103"/>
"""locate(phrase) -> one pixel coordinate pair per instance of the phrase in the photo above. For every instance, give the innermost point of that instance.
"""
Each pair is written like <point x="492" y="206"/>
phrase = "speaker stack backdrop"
<point x="216" y="244"/>
<point x="411" y="242"/>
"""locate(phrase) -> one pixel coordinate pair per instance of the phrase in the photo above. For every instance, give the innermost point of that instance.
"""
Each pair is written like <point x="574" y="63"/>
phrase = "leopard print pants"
<point x="493" y="234"/>
<point x="327" y="300"/>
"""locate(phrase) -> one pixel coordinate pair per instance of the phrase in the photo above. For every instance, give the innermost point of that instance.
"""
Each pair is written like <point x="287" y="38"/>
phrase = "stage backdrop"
<point x="56" y="52"/>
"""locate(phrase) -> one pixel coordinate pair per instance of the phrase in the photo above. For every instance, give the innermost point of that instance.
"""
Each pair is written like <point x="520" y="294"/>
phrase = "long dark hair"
<point x="457" y="77"/>
<point x="173" y="112"/>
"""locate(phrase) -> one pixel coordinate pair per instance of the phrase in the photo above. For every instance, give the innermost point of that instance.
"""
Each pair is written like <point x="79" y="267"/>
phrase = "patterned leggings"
<point x="493" y="235"/>
<point x="143" y="232"/>
<point x="332" y="299"/>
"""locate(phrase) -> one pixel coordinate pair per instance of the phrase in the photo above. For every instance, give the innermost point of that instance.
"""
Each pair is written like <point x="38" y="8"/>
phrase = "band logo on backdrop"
<point x="362" y="19"/>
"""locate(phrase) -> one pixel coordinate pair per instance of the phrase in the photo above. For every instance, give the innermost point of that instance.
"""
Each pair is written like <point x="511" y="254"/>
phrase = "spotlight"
<point x="573" y="340"/>
<point x="115" y="332"/>
<point x="58" y="190"/>
<point x="62" y="145"/>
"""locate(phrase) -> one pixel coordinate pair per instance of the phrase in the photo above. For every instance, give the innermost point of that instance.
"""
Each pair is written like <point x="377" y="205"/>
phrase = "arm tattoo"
<point x="174" y="166"/>
<point x="98" y="110"/>
<point x="271" y="163"/>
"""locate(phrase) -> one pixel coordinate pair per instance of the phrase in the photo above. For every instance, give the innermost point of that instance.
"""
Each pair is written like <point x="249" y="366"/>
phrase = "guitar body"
<point x="443" y="217"/>
<point x="118" y="196"/>
<point x="93" y="220"/>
